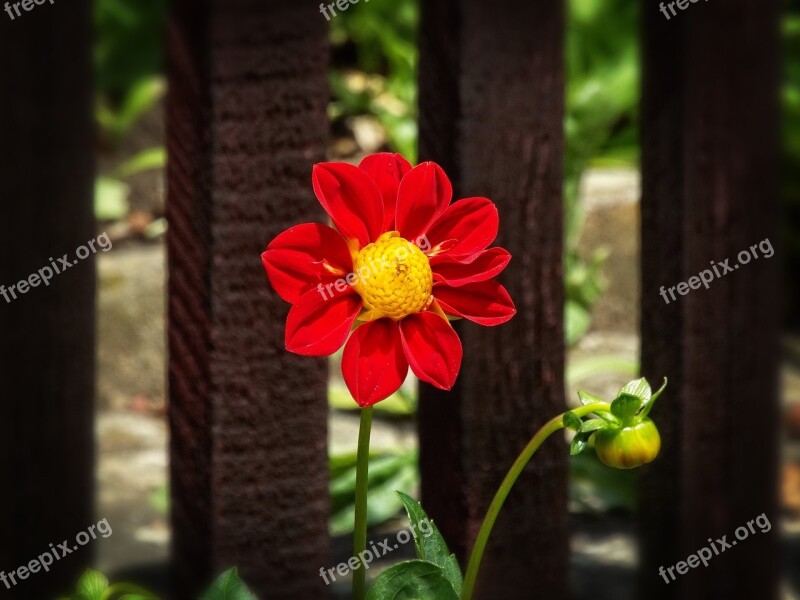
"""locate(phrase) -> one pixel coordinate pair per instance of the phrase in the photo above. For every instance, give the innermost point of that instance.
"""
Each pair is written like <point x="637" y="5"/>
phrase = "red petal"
<point x="351" y="199"/>
<point x="485" y="302"/>
<point x="424" y="194"/>
<point x="478" y="267"/>
<point x="432" y="348"/>
<point x="386" y="170"/>
<point x="472" y="222"/>
<point x="318" y="326"/>
<point x="373" y="364"/>
<point x="303" y="256"/>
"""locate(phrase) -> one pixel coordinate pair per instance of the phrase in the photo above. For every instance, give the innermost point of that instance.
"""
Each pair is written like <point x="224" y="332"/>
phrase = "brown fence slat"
<point x="246" y="120"/>
<point x="47" y="334"/>
<point x="709" y="160"/>
<point x="491" y="106"/>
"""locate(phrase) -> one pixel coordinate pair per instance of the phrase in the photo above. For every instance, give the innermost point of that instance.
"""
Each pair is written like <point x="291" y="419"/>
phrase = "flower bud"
<point x="628" y="447"/>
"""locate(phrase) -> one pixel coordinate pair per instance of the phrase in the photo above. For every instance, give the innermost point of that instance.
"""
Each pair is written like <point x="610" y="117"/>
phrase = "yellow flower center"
<point x="394" y="278"/>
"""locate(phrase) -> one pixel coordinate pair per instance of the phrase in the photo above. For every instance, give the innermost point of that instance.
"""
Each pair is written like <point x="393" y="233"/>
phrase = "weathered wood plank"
<point x="47" y="334"/>
<point x="246" y="120"/>
<point x="709" y="161"/>
<point x="491" y="107"/>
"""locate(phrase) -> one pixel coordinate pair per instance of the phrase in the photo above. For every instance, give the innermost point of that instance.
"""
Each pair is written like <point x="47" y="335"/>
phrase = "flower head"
<point x="624" y="435"/>
<point x="384" y="282"/>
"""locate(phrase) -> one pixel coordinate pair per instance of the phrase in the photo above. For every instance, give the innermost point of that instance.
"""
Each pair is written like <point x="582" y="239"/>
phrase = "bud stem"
<point x="502" y="493"/>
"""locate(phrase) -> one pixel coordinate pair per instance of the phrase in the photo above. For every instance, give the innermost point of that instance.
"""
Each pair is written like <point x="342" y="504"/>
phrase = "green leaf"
<point x="146" y="160"/>
<point x="92" y="584"/>
<point x="579" y="443"/>
<point x="577" y="321"/>
<point x="110" y="199"/>
<point x="626" y="406"/>
<point x="429" y="543"/>
<point x="649" y="404"/>
<point x="587" y="398"/>
<point x="594" y="425"/>
<point x="412" y="580"/>
<point x="572" y="421"/>
<point x="638" y="387"/>
<point x="228" y="586"/>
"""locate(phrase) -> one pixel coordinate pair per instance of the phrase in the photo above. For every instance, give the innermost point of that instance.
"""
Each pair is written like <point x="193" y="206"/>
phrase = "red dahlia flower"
<point x="401" y="262"/>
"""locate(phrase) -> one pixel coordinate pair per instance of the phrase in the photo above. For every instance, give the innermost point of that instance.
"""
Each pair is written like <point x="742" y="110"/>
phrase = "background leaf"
<point x="387" y="473"/>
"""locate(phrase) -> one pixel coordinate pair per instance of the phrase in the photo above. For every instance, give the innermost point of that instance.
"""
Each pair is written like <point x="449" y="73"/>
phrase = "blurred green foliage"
<point x="791" y="155"/>
<point x="128" y="43"/>
<point x="375" y="68"/>
<point x="129" y="61"/>
<point x="388" y="472"/>
<point x="600" y="129"/>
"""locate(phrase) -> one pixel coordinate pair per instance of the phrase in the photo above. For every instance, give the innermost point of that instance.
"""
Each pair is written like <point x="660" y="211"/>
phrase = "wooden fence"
<point x="246" y="121"/>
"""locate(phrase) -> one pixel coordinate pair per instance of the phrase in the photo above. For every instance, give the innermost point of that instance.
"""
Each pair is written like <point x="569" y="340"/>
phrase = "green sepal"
<point x="587" y="398"/>
<point x="92" y="585"/>
<point x="649" y="404"/>
<point x="594" y="425"/>
<point x="572" y="421"/>
<point x="625" y="406"/>
<point x="412" y="580"/>
<point x="638" y="387"/>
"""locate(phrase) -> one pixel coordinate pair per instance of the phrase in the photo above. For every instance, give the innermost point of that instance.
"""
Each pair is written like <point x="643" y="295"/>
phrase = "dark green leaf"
<point x="626" y="406"/>
<point x="579" y="443"/>
<point x="228" y="586"/>
<point x="429" y="543"/>
<point x="572" y="421"/>
<point x="412" y="580"/>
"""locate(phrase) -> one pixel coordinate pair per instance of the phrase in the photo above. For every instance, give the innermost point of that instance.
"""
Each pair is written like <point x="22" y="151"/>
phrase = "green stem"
<point x="362" y="485"/>
<point x="502" y="493"/>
